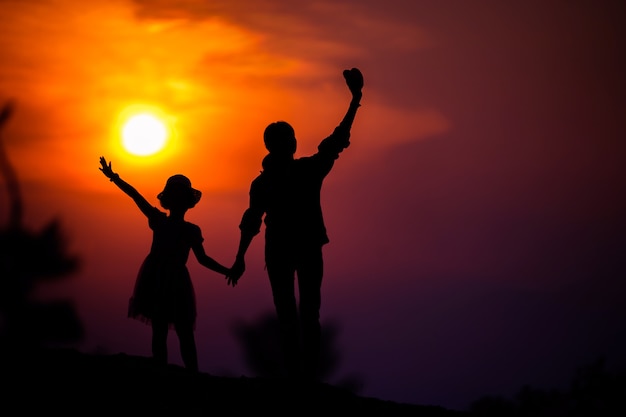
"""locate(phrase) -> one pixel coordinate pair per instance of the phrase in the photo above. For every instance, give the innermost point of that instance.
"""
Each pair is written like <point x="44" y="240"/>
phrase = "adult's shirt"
<point x="288" y="192"/>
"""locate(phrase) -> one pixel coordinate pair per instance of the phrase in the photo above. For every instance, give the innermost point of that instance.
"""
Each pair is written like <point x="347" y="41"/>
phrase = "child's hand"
<point x="106" y="169"/>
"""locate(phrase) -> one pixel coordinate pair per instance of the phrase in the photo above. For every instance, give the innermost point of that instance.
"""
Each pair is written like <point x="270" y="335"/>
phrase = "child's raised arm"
<point x="141" y="202"/>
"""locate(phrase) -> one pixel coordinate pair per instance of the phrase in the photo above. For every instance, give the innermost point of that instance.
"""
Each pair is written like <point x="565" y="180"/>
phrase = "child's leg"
<point x="187" y="341"/>
<point x="159" y="341"/>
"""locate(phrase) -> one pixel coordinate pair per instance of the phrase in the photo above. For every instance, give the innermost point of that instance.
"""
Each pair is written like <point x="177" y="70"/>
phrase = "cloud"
<point x="315" y="32"/>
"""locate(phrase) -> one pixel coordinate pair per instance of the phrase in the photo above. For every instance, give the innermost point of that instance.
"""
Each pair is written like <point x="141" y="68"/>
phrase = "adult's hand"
<point x="354" y="80"/>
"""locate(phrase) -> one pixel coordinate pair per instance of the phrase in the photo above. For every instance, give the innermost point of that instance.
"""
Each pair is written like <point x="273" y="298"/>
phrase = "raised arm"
<point x="354" y="81"/>
<point x="340" y="138"/>
<point x="141" y="202"/>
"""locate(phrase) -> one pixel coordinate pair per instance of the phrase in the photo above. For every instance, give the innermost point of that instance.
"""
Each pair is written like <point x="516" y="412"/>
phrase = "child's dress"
<point x="163" y="290"/>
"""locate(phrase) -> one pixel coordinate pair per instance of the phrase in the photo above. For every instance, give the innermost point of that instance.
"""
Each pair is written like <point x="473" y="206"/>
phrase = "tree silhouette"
<point x="27" y="259"/>
<point x="594" y="391"/>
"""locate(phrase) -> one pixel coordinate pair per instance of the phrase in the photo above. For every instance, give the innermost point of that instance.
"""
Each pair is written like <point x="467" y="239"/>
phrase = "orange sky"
<point x="76" y="66"/>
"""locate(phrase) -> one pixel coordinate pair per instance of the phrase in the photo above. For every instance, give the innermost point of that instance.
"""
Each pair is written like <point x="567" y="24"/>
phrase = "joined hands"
<point x="235" y="273"/>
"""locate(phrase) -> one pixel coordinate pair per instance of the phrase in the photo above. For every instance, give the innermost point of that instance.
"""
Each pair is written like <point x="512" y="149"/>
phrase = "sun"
<point x="144" y="134"/>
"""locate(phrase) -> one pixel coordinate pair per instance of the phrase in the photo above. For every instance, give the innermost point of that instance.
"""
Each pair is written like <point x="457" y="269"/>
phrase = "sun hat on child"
<point x="179" y="186"/>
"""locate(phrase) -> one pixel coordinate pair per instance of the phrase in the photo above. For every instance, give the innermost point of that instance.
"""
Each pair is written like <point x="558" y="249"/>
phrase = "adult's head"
<point x="280" y="139"/>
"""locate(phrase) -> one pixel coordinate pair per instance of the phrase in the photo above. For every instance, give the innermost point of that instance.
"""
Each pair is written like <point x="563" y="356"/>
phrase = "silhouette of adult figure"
<point x="287" y="194"/>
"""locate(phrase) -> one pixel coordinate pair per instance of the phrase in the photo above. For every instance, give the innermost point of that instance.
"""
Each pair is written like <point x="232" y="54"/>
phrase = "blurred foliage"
<point x="594" y="392"/>
<point x="260" y="342"/>
<point x="28" y="259"/>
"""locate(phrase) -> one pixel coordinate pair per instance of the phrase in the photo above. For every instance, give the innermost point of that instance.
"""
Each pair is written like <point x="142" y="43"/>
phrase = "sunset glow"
<point x="144" y="134"/>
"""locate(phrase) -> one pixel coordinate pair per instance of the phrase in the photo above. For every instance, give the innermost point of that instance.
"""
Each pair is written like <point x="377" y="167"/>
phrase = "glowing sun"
<point x="144" y="134"/>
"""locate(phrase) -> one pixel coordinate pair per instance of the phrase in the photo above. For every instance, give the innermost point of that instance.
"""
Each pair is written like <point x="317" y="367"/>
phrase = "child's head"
<point x="179" y="193"/>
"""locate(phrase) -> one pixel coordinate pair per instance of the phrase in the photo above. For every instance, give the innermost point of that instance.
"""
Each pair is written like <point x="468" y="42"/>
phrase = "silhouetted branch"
<point x="10" y="176"/>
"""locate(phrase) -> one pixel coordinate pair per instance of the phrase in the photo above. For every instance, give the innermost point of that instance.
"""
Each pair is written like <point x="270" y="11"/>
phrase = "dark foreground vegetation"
<point x="67" y="381"/>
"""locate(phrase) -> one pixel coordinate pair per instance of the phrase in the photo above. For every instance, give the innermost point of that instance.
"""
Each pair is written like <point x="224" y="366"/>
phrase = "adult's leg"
<point x="159" y="341"/>
<point x="282" y="276"/>
<point x="187" y="340"/>
<point x="310" y="271"/>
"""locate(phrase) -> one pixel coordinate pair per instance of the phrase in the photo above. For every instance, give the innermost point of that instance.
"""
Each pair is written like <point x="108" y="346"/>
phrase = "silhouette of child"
<point x="163" y="295"/>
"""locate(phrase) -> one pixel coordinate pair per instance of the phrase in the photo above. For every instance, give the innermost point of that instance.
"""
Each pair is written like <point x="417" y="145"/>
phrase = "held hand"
<point x="106" y="168"/>
<point x="230" y="280"/>
<point x="236" y="272"/>
<point x="354" y="81"/>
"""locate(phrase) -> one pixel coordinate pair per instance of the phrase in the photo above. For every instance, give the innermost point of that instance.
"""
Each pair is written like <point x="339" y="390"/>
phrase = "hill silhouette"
<point x="66" y="380"/>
